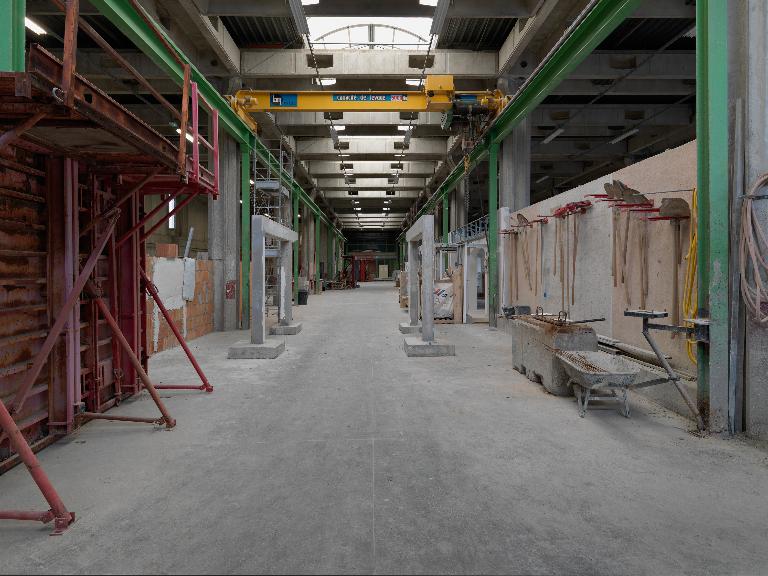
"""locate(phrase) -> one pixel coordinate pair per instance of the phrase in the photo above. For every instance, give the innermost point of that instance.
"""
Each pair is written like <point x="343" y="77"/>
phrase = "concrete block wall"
<point x="193" y="317"/>
<point x="596" y="295"/>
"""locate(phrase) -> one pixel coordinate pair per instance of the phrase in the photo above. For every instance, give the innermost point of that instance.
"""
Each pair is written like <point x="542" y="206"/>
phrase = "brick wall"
<point x="194" y="318"/>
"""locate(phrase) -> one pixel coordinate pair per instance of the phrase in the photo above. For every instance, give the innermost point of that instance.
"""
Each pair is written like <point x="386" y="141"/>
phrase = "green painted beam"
<point x="12" y="35"/>
<point x="603" y="19"/>
<point x="245" y="234"/>
<point x="713" y="208"/>
<point x="492" y="236"/>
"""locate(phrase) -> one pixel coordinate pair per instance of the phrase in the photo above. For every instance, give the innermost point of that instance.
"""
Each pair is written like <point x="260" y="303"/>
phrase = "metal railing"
<point x="472" y="231"/>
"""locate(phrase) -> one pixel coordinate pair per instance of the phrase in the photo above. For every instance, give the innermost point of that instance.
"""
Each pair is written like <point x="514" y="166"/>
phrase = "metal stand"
<point x="584" y="395"/>
<point x="152" y="289"/>
<point x="699" y="330"/>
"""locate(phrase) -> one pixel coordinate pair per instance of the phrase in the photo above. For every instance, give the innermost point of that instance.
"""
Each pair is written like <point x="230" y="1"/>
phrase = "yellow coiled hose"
<point x="690" y="298"/>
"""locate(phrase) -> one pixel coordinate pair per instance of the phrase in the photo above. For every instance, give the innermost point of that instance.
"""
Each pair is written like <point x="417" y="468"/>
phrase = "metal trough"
<point x="591" y="371"/>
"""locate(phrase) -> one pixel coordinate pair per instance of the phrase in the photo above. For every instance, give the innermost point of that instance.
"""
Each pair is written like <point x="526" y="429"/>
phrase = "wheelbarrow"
<point x="594" y="374"/>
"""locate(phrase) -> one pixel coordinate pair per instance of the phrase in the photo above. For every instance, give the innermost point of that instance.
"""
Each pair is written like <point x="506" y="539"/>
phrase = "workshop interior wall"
<point x="595" y="292"/>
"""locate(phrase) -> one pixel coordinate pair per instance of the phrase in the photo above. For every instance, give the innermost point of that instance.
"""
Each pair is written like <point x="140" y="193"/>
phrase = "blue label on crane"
<point x="283" y="100"/>
<point x="363" y="97"/>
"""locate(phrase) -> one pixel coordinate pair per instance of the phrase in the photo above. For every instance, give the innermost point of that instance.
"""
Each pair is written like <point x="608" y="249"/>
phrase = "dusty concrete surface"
<point x="343" y="455"/>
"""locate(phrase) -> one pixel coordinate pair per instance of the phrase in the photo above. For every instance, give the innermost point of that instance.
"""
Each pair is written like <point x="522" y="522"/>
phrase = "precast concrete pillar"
<point x="515" y="168"/>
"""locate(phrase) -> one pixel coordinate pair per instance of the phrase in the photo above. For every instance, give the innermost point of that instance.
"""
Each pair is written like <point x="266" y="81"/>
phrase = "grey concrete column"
<point x="258" y="273"/>
<point x="413" y="283"/>
<point x="515" y="168"/>
<point x="461" y="208"/>
<point x="428" y="280"/>
<point x="223" y="236"/>
<point x="285" y="314"/>
<point x="754" y="31"/>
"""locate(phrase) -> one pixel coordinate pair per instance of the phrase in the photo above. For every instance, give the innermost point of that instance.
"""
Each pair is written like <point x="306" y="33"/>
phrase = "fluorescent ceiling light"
<point x="309" y="2"/>
<point x="339" y="127"/>
<point x="625" y="135"/>
<point x="326" y="81"/>
<point x="357" y="208"/>
<point x="413" y="81"/>
<point x="428" y="2"/>
<point x="403" y="128"/>
<point x="387" y="201"/>
<point x="189" y="137"/>
<point x="345" y="155"/>
<point x="385" y="208"/>
<point x="34" y="26"/>
<point x="355" y="201"/>
<point x="552" y="136"/>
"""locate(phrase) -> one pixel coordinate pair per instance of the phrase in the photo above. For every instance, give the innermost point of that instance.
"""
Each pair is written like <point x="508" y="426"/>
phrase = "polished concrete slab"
<point x="345" y="456"/>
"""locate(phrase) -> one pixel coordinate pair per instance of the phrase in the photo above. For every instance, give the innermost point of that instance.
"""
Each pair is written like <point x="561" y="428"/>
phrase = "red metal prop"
<point x="152" y="289"/>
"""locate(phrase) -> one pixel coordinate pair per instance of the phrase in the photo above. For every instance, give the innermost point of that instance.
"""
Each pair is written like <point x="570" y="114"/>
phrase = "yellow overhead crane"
<point x="437" y="95"/>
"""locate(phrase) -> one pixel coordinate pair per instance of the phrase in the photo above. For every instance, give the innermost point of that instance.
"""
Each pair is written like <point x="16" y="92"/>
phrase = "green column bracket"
<point x="492" y="236"/>
<point x="245" y="235"/>
<point x="329" y="238"/>
<point x="295" y="213"/>
<point x="13" y="35"/>
<point x="713" y="201"/>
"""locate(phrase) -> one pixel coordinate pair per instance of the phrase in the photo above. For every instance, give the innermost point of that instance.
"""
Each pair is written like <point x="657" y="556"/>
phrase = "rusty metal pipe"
<point x="70" y="51"/>
<point x="117" y="333"/>
<point x="117" y="418"/>
<point x="61" y="320"/>
<point x="58" y="512"/>
<point x="162" y="220"/>
<point x="43" y="517"/>
<point x="152" y="289"/>
<point x="127" y="196"/>
<point x="127" y="236"/>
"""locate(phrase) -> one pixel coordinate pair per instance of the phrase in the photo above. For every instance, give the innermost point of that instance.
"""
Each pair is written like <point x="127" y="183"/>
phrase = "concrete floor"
<point x="345" y="456"/>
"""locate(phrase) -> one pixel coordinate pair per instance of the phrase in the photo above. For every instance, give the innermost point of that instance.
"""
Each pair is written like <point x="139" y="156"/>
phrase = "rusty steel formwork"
<point x="75" y="167"/>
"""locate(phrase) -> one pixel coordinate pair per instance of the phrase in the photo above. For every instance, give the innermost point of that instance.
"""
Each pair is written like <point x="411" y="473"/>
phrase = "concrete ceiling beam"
<point x="611" y="65"/>
<point x="366" y="63"/>
<point x="380" y="194"/>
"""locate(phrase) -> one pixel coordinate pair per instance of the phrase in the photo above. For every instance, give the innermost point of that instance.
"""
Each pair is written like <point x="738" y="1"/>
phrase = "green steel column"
<point x="295" y="211"/>
<point x="245" y="238"/>
<point x="493" y="233"/>
<point x="713" y="200"/>
<point x="12" y="29"/>
<point x="318" y="290"/>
